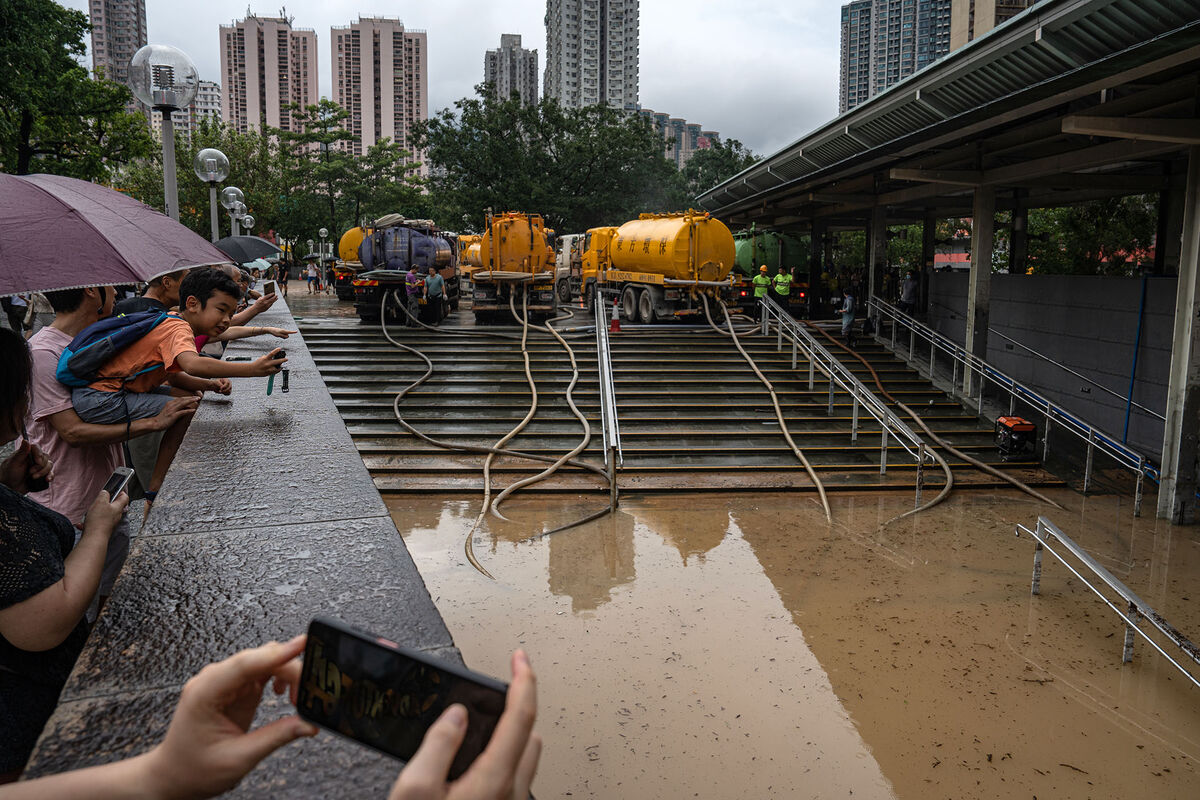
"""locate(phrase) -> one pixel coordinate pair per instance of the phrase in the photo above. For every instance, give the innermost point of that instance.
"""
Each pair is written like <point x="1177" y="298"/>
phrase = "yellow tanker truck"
<point x="516" y="251"/>
<point x="346" y="269"/>
<point x="659" y="264"/>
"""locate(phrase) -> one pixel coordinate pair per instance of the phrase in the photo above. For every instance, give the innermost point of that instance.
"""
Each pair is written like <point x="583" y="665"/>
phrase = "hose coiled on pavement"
<point x="490" y="452"/>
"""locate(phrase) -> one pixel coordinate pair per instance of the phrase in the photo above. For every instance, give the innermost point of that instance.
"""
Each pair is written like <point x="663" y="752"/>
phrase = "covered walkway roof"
<point x="1070" y="101"/>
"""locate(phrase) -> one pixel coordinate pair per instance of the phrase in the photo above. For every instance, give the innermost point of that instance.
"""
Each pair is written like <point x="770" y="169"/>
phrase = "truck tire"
<point x="629" y="303"/>
<point x="563" y="289"/>
<point x="646" y="307"/>
<point x="589" y="296"/>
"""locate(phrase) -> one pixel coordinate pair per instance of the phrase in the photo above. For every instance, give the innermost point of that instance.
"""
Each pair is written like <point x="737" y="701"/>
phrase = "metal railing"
<point x="840" y="377"/>
<point x="966" y="368"/>
<point x="1043" y="357"/>
<point x="1046" y="534"/>
<point x="613" y="457"/>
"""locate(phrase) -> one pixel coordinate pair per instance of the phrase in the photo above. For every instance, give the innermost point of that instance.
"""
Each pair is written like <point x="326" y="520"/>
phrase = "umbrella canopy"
<point x="63" y="233"/>
<point x="241" y="249"/>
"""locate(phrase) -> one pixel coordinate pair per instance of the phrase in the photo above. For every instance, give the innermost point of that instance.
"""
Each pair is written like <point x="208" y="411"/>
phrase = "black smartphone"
<point x="281" y="354"/>
<point x="385" y="696"/>
<point x="118" y="481"/>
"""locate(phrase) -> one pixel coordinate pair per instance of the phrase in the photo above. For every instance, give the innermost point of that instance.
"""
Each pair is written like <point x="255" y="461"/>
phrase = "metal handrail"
<point x="822" y="360"/>
<point x="1150" y="411"/>
<point x="1046" y="532"/>
<point x="613" y="456"/>
<point x="1051" y="412"/>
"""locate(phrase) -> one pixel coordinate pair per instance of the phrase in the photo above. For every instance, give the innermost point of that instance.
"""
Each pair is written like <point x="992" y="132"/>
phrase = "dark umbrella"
<point x="62" y="233"/>
<point x="247" y="248"/>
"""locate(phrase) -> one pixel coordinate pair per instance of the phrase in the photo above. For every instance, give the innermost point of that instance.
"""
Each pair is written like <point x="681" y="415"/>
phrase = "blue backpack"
<point x="98" y="343"/>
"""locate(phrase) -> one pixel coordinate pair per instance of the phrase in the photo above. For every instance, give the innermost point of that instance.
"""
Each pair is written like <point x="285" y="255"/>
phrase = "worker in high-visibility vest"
<point x="782" y="286"/>
<point x="761" y="284"/>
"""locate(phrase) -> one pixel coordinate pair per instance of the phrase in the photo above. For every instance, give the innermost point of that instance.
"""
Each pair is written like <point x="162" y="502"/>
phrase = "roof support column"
<point x="1177" y="491"/>
<point x="816" y="249"/>
<point x="876" y="252"/>
<point x="928" y="252"/>
<point x="1170" y="228"/>
<point x="1018" y="251"/>
<point x="979" y="291"/>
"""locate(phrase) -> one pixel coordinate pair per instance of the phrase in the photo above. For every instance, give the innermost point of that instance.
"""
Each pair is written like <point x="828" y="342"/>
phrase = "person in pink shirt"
<point x="83" y="454"/>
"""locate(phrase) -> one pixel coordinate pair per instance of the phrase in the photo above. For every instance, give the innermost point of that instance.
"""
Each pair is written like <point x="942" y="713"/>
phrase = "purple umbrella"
<point x="63" y="233"/>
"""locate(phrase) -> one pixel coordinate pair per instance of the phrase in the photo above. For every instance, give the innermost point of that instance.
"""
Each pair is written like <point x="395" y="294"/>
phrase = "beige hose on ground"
<point x="988" y="468"/>
<point x="774" y="400"/>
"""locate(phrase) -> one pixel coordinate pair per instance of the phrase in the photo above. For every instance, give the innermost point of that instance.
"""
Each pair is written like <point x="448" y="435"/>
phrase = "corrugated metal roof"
<point x="1047" y="42"/>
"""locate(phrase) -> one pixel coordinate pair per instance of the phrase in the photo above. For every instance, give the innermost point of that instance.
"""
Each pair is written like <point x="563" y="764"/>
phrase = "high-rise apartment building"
<point x="380" y="76"/>
<point x="266" y="64"/>
<point x="681" y="139"/>
<point x="885" y="41"/>
<point x="970" y="19"/>
<point x="512" y="69"/>
<point x="118" y="31"/>
<point x="206" y="106"/>
<point x="592" y="52"/>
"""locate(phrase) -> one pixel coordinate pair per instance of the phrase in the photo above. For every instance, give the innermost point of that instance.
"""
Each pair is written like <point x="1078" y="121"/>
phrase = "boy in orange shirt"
<point x="207" y="301"/>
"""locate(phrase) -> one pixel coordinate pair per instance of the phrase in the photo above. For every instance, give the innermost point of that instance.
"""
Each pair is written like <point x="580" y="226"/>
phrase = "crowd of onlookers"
<point x="64" y="539"/>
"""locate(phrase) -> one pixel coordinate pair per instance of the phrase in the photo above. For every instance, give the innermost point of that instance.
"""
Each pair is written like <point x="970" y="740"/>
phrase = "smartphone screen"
<point x="269" y="287"/>
<point x="118" y="481"/>
<point x="386" y="697"/>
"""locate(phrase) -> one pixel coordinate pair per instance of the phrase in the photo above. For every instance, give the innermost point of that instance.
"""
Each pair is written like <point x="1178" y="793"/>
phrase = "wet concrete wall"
<point x="1086" y="323"/>
<point x="267" y="518"/>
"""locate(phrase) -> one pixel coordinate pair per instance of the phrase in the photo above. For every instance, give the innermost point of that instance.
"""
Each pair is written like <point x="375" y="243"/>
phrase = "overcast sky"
<point x="761" y="72"/>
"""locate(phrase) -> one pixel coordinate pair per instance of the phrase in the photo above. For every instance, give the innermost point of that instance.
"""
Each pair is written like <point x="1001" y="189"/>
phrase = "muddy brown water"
<point x="738" y="646"/>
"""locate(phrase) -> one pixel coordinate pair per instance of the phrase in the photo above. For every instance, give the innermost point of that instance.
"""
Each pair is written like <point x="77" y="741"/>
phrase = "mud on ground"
<point x="736" y="645"/>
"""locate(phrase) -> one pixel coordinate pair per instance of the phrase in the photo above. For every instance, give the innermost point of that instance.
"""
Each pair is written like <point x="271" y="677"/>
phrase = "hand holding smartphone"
<point x="385" y="696"/>
<point x="118" y="481"/>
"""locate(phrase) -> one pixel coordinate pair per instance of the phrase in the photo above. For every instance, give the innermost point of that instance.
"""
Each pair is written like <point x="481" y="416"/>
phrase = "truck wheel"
<point x="646" y="308"/>
<point x="629" y="303"/>
<point x="564" y="291"/>
<point x="589" y="296"/>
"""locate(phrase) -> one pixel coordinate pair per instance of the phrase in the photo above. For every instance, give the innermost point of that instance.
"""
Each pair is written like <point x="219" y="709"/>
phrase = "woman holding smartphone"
<point x="48" y="580"/>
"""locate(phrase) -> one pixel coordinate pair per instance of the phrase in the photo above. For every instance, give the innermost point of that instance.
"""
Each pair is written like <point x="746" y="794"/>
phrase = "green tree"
<point x="1103" y="237"/>
<point x="53" y="117"/>
<point x="719" y="162"/>
<point x="577" y="167"/>
<point x="316" y="161"/>
<point x="254" y="167"/>
<point x="383" y="182"/>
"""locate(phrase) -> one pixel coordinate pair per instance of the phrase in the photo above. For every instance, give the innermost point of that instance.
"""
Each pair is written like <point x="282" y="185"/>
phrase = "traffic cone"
<point x="614" y="326"/>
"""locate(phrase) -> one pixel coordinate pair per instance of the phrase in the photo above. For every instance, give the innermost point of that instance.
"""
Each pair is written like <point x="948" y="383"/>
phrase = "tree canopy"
<point x="53" y="116"/>
<point x="577" y="167"/>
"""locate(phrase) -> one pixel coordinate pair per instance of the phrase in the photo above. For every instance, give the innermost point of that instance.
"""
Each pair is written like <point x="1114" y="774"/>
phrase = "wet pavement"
<point x="735" y="645"/>
<point x="725" y="645"/>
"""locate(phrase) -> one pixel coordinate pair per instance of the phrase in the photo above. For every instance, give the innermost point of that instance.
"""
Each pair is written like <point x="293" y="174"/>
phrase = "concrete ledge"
<point x="267" y="518"/>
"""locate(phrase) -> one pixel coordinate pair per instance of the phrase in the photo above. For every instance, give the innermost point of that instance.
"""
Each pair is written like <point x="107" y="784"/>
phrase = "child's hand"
<point x="279" y="333"/>
<point x="175" y="409"/>
<point x="220" y="385"/>
<point x="269" y="364"/>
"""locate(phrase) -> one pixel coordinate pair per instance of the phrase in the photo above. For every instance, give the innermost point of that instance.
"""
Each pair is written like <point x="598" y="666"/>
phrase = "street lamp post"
<point x="165" y="79"/>
<point x="211" y="167"/>
<point x="231" y="198"/>
<point x="323" y="233"/>
<point x="248" y="222"/>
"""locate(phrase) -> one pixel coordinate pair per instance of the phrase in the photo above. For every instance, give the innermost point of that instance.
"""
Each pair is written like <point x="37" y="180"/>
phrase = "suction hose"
<point x="774" y="400"/>
<point x="988" y="468"/>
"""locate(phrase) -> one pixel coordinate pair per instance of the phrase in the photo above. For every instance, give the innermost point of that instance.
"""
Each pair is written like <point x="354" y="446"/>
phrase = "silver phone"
<point x="118" y="481"/>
